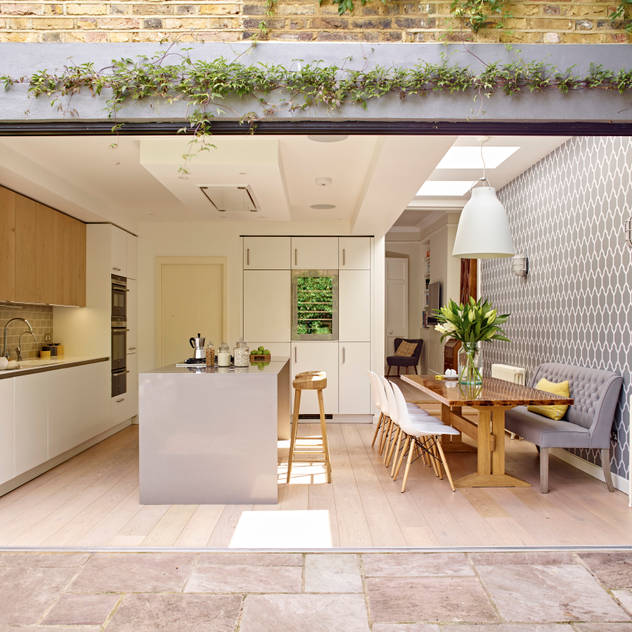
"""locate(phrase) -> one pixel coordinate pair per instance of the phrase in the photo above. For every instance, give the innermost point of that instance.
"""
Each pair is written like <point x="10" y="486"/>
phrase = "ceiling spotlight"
<point x="327" y="138"/>
<point x="322" y="207"/>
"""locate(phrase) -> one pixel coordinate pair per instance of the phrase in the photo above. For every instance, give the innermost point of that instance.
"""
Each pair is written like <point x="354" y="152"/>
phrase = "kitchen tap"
<point x="4" y="337"/>
<point x="18" y="349"/>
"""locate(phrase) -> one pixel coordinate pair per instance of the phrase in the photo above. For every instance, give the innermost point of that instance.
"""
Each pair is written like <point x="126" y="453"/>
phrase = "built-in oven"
<point x="119" y="335"/>
<point x="119" y="299"/>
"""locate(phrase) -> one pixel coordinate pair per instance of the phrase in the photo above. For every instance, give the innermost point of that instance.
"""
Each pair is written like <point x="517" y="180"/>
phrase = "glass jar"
<point x="210" y="354"/>
<point x="241" y="354"/>
<point x="470" y="370"/>
<point x="223" y="355"/>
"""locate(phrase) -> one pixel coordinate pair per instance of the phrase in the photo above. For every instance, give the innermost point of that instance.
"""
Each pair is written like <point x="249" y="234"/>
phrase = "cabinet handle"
<point x="295" y="256"/>
<point x="118" y="401"/>
<point x="247" y="256"/>
<point x="295" y="360"/>
<point x="115" y="268"/>
<point x="344" y="355"/>
<point x="131" y="348"/>
<point x="344" y="257"/>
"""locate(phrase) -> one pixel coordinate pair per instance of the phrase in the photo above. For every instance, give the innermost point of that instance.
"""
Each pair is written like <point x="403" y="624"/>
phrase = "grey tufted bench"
<point x="586" y="424"/>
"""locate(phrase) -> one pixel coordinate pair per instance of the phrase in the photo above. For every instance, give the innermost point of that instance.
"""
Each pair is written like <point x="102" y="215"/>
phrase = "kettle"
<point x="198" y="343"/>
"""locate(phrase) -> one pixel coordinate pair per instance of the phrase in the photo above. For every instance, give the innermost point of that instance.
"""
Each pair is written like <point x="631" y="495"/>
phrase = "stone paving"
<point x="526" y="591"/>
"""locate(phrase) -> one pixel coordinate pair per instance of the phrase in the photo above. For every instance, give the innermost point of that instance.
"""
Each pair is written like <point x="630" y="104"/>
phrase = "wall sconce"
<point x="520" y="265"/>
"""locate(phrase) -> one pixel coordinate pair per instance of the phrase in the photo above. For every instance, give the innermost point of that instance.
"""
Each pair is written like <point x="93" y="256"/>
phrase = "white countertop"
<point x="275" y="365"/>
<point x="37" y="365"/>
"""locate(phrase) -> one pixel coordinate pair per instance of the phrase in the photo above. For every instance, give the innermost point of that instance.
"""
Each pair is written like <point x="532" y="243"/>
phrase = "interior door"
<point x="191" y="301"/>
<point x="396" y="300"/>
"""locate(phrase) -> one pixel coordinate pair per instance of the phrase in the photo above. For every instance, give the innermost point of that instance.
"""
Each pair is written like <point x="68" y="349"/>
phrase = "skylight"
<point x="470" y="157"/>
<point x="445" y="188"/>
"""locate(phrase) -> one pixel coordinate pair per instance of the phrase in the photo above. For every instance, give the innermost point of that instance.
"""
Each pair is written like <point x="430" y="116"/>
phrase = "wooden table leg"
<point x="490" y="470"/>
<point x="452" y="443"/>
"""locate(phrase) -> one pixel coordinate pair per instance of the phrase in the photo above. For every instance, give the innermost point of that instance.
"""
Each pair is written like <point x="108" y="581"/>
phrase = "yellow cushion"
<point x="558" y="388"/>
<point x="406" y="349"/>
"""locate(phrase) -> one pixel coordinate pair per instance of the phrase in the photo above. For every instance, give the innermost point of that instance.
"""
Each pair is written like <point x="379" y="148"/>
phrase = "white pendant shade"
<point x="483" y="230"/>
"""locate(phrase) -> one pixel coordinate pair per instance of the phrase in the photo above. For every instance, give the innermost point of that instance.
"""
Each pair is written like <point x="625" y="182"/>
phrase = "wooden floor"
<point x="92" y="500"/>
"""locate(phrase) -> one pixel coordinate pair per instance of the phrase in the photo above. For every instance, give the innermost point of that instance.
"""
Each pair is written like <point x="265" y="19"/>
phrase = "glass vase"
<point x="469" y="364"/>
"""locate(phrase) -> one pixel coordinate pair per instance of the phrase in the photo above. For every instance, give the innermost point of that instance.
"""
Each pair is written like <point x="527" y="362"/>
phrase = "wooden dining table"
<point x="491" y="399"/>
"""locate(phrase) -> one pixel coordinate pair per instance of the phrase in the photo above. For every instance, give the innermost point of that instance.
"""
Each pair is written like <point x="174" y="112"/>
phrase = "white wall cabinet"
<point x="118" y="251"/>
<point x="30" y="417"/>
<point x="354" y="391"/>
<point x="267" y="305"/>
<point x="354" y="315"/>
<point x="7" y="464"/>
<point x="131" y="263"/>
<point x="267" y="253"/>
<point x="354" y="253"/>
<point x="317" y="356"/>
<point x="315" y="253"/>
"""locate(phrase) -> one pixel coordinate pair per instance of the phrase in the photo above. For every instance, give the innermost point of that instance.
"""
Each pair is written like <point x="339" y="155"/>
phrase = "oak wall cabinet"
<point x="42" y="253"/>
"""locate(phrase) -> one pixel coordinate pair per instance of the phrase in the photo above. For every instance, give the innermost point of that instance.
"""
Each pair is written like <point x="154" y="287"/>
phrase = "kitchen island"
<point x="209" y="436"/>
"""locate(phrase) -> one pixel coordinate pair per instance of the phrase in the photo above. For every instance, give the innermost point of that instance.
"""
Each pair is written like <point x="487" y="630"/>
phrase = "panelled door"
<point x="396" y="301"/>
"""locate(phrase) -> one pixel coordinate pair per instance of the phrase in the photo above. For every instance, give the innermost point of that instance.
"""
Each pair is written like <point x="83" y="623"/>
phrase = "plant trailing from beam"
<point x="211" y="88"/>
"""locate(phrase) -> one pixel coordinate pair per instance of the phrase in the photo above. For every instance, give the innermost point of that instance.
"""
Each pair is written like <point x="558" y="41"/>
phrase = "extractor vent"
<point x="230" y="199"/>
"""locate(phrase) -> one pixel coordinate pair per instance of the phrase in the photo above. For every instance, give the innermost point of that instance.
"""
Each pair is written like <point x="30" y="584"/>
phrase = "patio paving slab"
<point x="26" y="592"/>
<point x="304" y="613"/>
<point x="415" y="565"/>
<point x="249" y="559"/>
<point x="241" y="578"/>
<point x="428" y="599"/>
<point x="603" y="627"/>
<point x="613" y="568"/>
<point x="139" y="572"/>
<point x="74" y="609"/>
<point x="548" y="593"/>
<point x="184" y="613"/>
<point x="43" y="560"/>
<point x="331" y="573"/>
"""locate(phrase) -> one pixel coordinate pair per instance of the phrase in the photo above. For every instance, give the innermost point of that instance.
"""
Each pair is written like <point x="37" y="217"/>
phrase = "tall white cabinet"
<point x="268" y="265"/>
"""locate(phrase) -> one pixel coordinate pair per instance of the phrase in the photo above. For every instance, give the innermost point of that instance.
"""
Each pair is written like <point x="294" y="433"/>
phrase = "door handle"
<point x="295" y="256"/>
<point x="247" y="256"/>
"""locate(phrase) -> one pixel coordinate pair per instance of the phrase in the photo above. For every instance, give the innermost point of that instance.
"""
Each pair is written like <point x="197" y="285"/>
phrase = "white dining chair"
<point x="421" y="430"/>
<point x="379" y="397"/>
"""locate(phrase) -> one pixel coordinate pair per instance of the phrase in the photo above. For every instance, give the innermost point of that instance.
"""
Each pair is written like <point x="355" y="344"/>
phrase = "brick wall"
<point x="302" y="20"/>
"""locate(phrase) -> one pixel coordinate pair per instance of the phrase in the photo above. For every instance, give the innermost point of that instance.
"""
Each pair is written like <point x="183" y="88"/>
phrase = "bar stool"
<point x="309" y="381"/>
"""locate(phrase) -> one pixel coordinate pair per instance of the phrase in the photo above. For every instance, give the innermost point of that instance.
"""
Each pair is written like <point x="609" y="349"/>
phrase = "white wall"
<point x="216" y="239"/>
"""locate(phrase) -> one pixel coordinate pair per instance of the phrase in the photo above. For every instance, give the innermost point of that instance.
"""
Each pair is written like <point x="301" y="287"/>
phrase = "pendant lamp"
<point x="483" y="230"/>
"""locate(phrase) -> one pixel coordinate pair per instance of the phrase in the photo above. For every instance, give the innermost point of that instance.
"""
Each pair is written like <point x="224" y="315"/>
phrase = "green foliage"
<point x="472" y="322"/>
<point x="623" y="13"/>
<point x="479" y="14"/>
<point x="314" y="305"/>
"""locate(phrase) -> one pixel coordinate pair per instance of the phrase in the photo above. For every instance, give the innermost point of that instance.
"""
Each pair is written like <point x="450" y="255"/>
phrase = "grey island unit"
<point x="209" y="436"/>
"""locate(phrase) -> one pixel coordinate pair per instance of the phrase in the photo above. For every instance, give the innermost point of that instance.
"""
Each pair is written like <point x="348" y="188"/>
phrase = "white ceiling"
<point x="369" y="179"/>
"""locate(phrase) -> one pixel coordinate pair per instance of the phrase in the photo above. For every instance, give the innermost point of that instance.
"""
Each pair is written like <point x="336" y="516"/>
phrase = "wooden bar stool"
<point x="309" y="381"/>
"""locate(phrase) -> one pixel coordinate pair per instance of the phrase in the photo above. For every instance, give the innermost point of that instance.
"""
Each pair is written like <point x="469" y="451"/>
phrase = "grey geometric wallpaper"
<point x="567" y="214"/>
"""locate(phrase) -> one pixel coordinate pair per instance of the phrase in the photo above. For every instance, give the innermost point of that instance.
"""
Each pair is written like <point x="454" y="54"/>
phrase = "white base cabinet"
<point x="46" y="414"/>
<point x="354" y="391"/>
<point x="267" y="305"/>
<point x="317" y="356"/>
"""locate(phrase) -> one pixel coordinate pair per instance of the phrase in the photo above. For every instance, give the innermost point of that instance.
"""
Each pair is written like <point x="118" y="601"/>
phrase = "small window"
<point x="315" y="305"/>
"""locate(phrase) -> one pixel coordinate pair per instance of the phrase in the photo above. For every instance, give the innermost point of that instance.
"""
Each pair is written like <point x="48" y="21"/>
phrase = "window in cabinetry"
<point x="315" y="305"/>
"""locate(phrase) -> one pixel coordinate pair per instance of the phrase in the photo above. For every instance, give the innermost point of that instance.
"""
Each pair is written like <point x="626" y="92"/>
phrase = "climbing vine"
<point x="478" y="14"/>
<point x="623" y="13"/>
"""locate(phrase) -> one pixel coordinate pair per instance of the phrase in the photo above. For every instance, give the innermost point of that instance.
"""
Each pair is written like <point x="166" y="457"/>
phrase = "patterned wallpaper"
<point x="41" y="319"/>
<point x="567" y="215"/>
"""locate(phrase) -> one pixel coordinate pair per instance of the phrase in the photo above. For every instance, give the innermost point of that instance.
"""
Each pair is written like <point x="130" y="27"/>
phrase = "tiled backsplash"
<point x="41" y="319"/>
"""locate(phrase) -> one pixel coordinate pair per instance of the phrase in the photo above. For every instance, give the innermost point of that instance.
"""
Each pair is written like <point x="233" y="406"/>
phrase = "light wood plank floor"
<point x="92" y="500"/>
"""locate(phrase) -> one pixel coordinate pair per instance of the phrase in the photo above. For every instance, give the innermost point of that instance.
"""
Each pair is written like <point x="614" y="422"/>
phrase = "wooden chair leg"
<point x="389" y="439"/>
<point x="408" y="462"/>
<point x="297" y="406"/>
<point x="445" y="462"/>
<point x="385" y="428"/>
<point x="605" y="466"/>
<point x="400" y="460"/>
<point x="544" y="470"/>
<point x="397" y="448"/>
<point x="432" y="446"/>
<point x="380" y="421"/>
<point x="323" y="431"/>
<point x="395" y="440"/>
